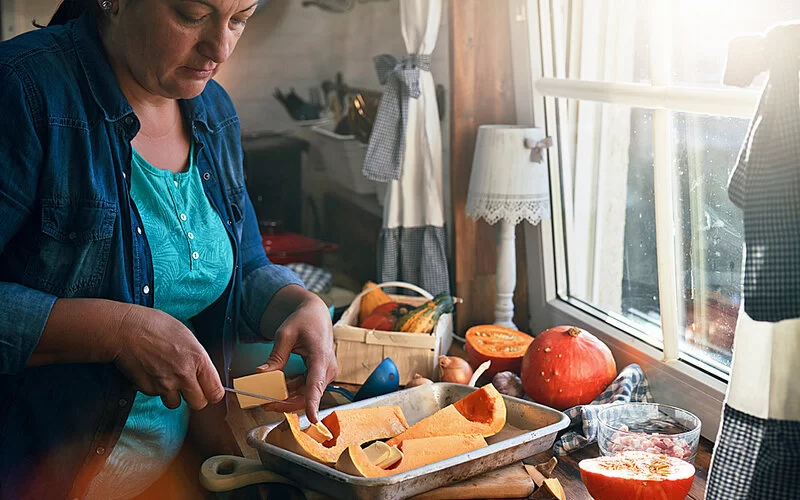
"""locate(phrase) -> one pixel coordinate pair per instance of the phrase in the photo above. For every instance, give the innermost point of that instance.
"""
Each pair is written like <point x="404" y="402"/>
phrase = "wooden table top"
<point x="242" y="421"/>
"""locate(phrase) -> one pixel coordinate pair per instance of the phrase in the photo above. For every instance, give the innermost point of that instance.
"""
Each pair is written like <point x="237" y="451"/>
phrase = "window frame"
<point x="673" y="380"/>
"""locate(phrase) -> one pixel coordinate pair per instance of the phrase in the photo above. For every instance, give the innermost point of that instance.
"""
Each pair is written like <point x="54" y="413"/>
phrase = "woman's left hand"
<point x="307" y="331"/>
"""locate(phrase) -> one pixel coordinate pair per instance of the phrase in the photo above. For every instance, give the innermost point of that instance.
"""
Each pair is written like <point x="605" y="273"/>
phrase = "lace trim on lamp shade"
<point x="513" y="209"/>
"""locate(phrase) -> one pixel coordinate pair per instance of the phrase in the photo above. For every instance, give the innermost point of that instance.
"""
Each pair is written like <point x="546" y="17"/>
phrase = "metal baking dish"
<point x="530" y="428"/>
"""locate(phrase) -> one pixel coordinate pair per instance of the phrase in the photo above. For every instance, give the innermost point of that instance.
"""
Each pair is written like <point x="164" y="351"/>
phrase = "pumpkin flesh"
<point x="504" y="347"/>
<point x="481" y="412"/>
<point x="637" y="475"/>
<point x="354" y="426"/>
<point x="415" y="453"/>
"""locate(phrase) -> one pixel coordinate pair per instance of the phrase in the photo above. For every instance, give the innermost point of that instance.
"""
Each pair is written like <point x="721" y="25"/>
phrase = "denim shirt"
<point x="68" y="229"/>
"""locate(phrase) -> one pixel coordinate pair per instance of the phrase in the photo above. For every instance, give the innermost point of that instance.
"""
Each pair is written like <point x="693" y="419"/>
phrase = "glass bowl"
<point x="650" y="427"/>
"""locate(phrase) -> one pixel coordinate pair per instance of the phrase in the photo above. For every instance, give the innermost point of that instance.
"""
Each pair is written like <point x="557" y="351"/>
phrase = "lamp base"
<point x="506" y="275"/>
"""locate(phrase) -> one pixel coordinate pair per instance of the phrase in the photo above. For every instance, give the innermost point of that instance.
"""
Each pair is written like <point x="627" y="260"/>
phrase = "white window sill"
<point x="675" y="383"/>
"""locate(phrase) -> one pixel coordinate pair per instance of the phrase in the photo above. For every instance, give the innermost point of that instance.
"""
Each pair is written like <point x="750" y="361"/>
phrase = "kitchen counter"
<point x="242" y="421"/>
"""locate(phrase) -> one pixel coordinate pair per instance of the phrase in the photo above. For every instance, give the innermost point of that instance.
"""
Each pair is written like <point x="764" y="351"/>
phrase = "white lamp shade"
<point x="505" y="184"/>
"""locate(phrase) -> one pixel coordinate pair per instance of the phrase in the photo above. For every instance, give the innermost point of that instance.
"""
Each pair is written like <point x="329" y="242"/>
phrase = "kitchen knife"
<point x="254" y="395"/>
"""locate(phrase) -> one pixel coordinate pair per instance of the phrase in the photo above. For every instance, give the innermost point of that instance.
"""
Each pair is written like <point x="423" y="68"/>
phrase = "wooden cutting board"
<point x="511" y="481"/>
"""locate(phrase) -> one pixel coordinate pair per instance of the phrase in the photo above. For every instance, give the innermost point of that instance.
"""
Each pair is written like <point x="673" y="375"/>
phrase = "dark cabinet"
<point x="273" y="171"/>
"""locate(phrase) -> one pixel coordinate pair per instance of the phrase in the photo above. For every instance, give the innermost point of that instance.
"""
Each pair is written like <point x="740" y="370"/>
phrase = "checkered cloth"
<point x="755" y="458"/>
<point x="400" y="79"/>
<point x="315" y="279"/>
<point x="629" y="386"/>
<point x="415" y="255"/>
<point x="766" y="186"/>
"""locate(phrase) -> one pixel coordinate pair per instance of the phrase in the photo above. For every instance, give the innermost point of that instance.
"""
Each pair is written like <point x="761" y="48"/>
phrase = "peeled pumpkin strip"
<point x="319" y="433"/>
<point x="415" y="453"/>
<point x="354" y="426"/>
<point x="482" y="412"/>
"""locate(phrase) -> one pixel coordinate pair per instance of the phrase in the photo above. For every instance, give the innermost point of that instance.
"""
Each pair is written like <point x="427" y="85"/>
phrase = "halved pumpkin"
<point x="482" y="412"/>
<point x="355" y="426"/>
<point x="637" y="475"/>
<point x="416" y="453"/>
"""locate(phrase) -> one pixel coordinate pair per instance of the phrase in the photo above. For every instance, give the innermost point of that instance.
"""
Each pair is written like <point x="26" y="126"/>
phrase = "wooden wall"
<point x="482" y="93"/>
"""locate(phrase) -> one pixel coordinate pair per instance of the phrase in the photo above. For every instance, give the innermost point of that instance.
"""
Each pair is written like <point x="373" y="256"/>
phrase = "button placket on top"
<point x="180" y="204"/>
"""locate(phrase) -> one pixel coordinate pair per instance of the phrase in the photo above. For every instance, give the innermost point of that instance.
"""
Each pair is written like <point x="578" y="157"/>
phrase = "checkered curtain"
<point x="405" y="150"/>
<point x="766" y="185"/>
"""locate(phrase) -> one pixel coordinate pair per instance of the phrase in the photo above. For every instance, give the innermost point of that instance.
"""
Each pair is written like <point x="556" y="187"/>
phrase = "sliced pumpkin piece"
<point x="482" y="412"/>
<point x="395" y="455"/>
<point x="414" y="452"/>
<point x="377" y="452"/>
<point x="319" y="432"/>
<point x="354" y="426"/>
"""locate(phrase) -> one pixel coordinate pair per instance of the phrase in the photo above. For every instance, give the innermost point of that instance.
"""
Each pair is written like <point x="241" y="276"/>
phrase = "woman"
<point x="131" y="257"/>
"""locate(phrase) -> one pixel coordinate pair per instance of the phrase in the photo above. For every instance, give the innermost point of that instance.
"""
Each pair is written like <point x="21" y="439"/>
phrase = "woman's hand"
<point x="162" y="357"/>
<point x="307" y="331"/>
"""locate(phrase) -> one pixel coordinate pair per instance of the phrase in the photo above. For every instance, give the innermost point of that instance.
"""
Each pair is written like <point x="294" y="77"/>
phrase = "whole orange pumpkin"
<point x="566" y="366"/>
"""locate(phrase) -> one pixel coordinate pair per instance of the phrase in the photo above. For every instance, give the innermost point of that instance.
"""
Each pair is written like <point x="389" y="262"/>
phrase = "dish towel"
<point x="315" y="279"/>
<point x="629" y="386"/>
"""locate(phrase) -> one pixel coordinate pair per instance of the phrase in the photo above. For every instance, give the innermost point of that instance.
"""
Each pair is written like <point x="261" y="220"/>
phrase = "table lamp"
<point x="509" y="183"/>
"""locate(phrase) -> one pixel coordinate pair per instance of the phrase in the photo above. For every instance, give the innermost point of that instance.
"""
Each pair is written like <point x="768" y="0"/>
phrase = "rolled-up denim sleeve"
<point x="261" y="279"/>
<point x="23" y="311"/>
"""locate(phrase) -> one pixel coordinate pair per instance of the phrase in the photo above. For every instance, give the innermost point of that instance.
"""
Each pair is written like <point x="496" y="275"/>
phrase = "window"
<point x="646" y="136"/>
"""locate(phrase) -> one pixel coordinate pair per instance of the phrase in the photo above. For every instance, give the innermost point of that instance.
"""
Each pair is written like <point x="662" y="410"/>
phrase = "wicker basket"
<point x="359" y="350"/>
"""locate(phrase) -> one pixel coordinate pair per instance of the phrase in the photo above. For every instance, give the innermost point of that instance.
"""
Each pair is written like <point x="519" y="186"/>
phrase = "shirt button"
<point x="190" y="235"/>
<point x="176" y="183"/>
<point x="139" y="230"/>
<point x="229" y="320"/>
<point x="146" y="289"/>
<point x="99" y="450"/>
<point x="195" y="255"/>
<point x="128" y="120"/>
<point x="183" y="216"/>
<point x="73" y="235"/>
<point x="124" y="176"/>
<point x="229" y="222"/>
<point x="206" y="176"/>
<point x="123" y="403"/>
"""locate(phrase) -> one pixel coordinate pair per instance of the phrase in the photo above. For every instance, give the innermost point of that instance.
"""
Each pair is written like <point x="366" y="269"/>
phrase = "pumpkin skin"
<point x="566" y="366"/>
<point x="626" y="475"/>
<point x="504" y="347"/>
<point x="481" y="412"/>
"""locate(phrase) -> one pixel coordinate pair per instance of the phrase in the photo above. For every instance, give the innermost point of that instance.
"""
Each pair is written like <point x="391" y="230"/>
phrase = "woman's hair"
<point x="72" y="9"/>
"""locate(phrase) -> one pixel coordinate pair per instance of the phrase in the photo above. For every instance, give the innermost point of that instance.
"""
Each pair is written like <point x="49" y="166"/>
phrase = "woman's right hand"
<point x="162" y="357"/>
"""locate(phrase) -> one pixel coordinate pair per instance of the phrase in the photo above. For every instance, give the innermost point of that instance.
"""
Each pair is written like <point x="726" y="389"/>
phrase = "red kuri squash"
<point x="566" y="366"/>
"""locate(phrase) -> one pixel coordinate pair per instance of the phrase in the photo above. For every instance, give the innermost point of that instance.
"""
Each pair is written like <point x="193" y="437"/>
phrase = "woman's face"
<point x="172" y="48"/>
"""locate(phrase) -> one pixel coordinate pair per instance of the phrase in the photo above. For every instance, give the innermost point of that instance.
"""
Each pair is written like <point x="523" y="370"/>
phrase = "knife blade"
<point x="254" y="395"/>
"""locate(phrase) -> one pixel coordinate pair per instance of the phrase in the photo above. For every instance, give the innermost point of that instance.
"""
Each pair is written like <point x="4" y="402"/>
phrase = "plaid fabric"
<point x="629" y="386"/>
<point x="415" y="255"/>
<point x="400" y="79"/>
<point x="766" y="185"/>
<point x="755" y="458"/>
<point x="315" y="279"/>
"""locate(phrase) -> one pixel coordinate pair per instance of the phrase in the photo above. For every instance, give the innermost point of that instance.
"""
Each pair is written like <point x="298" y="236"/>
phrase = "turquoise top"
<point x="192" y="265"/>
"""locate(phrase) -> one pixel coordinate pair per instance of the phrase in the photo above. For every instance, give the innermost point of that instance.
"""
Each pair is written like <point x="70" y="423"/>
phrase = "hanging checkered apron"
<point x="405" y="150"/>
<point x="757" y="453"/>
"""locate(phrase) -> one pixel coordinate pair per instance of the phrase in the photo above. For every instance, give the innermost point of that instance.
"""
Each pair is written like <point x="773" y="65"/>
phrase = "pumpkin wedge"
<point x="482" y="412"/>
<point x="415" y="453"/>
<point x="354" y="426"/>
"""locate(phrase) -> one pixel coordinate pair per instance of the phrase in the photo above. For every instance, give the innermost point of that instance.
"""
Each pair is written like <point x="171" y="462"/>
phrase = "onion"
<point x="454" y="369"/>
<point x="509" y="384"/>
<point x="418" y="380"/>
